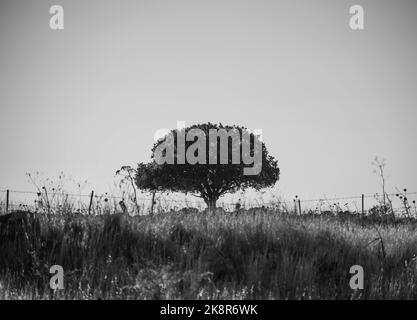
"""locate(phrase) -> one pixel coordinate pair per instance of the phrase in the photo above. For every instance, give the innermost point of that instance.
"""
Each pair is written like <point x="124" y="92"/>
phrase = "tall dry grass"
<point x="256" y="254"/>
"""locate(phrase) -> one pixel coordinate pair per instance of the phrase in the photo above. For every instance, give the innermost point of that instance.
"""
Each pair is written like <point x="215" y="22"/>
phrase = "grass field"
<point x="256" y="254"/>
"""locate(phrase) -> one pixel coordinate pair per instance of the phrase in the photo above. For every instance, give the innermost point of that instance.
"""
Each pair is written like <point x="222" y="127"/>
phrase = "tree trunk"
<point x="153" y="203"/>
<point x="211" y="203"/>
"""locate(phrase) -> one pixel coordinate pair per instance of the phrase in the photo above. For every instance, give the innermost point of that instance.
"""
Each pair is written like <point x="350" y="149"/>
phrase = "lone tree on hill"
<point x="208" y="161"/>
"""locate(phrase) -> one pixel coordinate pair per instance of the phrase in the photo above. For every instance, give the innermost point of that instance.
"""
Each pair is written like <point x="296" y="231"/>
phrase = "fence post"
<point x="299" y="206"/>
<point x="363" y="206"/>
<point x="7" y="200"/>
<point x="91" y="202"/>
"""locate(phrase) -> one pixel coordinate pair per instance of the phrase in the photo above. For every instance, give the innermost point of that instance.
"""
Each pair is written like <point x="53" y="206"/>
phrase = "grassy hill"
<point x="255" y="254"/>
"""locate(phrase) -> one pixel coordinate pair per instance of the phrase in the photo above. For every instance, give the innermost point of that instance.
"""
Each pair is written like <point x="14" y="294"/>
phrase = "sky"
<point x="88" y="99"/>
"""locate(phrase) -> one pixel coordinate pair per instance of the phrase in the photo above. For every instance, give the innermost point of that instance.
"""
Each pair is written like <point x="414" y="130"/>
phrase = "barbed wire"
<point x="63" y="193"/>
<point x="244" y="203"/>
<point x="356" y="197"/>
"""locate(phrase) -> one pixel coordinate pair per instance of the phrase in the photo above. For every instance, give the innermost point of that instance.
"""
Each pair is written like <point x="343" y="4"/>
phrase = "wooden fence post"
<point x="363" y="206"/>
<point x="7" y="200"/>
<point x="299" y="206"/>
<point x="91" y="202"/>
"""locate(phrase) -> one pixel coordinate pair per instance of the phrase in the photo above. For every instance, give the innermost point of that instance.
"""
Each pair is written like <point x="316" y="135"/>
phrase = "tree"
<point x="208" y="161"/>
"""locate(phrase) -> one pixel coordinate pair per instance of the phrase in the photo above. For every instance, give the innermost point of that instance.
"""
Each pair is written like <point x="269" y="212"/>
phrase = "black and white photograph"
<point x="225" y="151"/>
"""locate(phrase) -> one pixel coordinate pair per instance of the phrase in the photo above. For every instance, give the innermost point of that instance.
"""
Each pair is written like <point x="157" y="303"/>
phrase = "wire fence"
<point x="401" y="203"/>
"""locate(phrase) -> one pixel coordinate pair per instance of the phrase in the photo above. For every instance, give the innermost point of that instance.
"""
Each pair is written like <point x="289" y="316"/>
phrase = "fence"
<point x="92" y="203"/>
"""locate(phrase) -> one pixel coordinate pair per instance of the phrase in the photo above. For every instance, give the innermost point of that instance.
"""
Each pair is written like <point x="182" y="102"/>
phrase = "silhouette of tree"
<point x="206" y="179"/>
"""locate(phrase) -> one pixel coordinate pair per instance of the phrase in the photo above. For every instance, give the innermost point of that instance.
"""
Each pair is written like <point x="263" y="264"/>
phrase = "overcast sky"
<point x="87" y="99"/>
